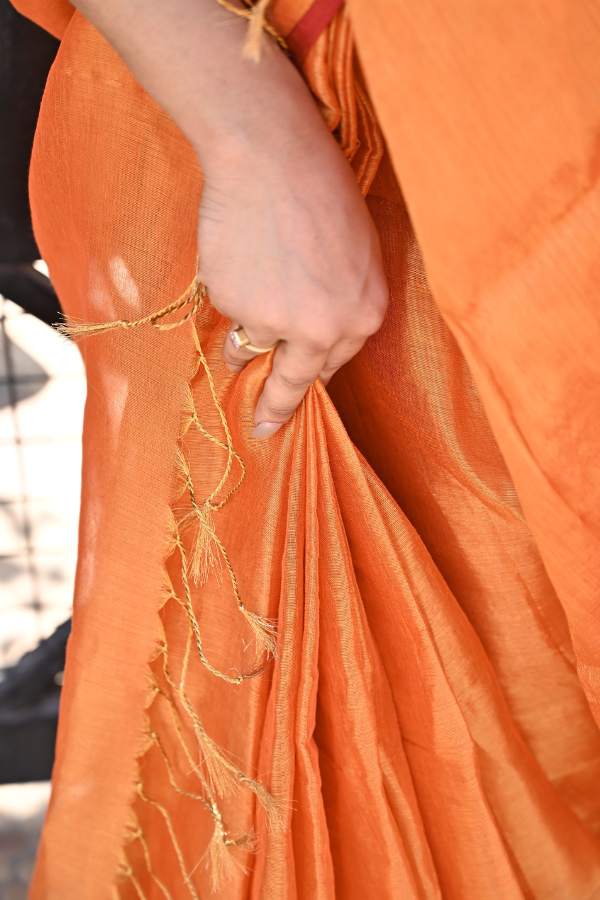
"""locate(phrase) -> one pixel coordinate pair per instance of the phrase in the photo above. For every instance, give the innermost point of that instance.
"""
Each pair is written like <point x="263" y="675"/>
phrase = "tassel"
<point x="220" y="860"/>
<point x="265" y="630"/>
<point x="75" y="332"/>
<point x="194" y="294"/>
<point x="206" y="557"/>
<point x="256" y="25"/>
<point x="221" y="775"/>
<point x="272" y="808"/>
<point x="224" y="778"/>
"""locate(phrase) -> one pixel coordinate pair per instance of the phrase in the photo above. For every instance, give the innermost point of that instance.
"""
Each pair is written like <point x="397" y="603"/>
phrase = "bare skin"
<point x="286" y="245"/>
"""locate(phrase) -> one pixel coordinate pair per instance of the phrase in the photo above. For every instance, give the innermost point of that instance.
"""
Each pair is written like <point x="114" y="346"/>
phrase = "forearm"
<point x="188" y="55"/>
<point x="286" y="245"/>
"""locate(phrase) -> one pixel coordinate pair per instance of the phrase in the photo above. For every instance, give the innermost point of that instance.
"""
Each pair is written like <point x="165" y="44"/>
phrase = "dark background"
<point x="29" y="691"/>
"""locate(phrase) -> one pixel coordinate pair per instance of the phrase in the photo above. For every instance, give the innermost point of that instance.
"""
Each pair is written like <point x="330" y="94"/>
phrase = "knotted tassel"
<point x="220" y="860"/>
<point x="256" y="25"/>
<point x="74" y="331"/>
<point x="206" y="556"/>
<point x="222" y="776"/>
<point x="265" y="630"/>
<point x="193" y="295"/>
<point x="272" y="808"/>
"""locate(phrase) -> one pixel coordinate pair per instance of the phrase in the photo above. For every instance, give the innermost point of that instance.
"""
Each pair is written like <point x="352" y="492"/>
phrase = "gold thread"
<point x="212" y="754"/>
<point x="222" y="865"/>
<point x="165" y="814"/>
<point x="189" y="610"/>
<point x="217" y="774"/>
<point x="139" y="834"/>
<point x="128" y="872"/>
<point x="255" y="15"/>
<point x="194" y="294"/>
<point x="156" y="740"/>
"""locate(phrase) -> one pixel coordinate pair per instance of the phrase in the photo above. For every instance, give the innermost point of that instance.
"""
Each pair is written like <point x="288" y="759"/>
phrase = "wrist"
<point x="268" y="116"/>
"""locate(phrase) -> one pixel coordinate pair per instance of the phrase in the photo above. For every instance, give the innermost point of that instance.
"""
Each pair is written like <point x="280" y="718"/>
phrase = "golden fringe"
<point x="217" y="774"/>
<point x="138" y="834"/>
<point x="222" y="864"/>
<point x="246" y="840"/>
<point x="194" y="294"/>
<point x="257" y="23"/>
<point x="223" y="777"/>
<point x="156" y="740"/>
<point x="127" y="872"/>
<point x="194" y="766"/>
<point x="165" y="814"/>
<point x="219" y="856"/>
<point x="220" y="859"/>
<point x="231" y="453"/>
<point x="205" y="555"/>
<point x="265" y="630"/>
<point x="189" y="610"/>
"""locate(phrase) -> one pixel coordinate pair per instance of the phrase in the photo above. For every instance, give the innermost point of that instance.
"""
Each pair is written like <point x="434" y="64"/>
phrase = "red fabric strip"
<point x="314" y="21"/>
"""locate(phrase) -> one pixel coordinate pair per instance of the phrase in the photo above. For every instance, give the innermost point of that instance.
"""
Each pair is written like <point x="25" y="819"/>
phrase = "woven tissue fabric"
<point x="423" y="731"/>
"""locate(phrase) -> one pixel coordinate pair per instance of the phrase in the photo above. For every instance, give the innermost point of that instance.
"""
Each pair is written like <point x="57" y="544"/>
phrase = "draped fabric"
<point x="423" y="533"/>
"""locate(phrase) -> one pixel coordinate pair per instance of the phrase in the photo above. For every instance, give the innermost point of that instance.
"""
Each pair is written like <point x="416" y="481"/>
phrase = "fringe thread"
<point x="218" y="776"/>
<point x="256" y="16"/>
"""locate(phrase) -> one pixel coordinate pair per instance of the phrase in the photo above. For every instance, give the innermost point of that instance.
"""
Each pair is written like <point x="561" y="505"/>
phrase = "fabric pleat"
<point x="423" y="731"/>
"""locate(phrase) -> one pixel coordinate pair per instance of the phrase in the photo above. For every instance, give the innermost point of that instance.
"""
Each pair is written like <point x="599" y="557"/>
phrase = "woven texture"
<point x="423" y="732"/>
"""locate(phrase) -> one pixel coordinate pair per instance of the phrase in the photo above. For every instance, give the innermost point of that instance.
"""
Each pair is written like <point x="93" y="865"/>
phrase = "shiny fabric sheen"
<point x="424" y="726"/>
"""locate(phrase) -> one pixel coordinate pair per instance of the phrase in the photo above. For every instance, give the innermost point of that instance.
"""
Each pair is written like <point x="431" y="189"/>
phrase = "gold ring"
<point x="240" y="339"/>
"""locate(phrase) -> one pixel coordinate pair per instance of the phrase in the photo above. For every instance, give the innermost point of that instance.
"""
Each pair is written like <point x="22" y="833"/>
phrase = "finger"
<point x="294" y="369"/>
<point x="338" y="356"/>
<point x="236" y="358"/>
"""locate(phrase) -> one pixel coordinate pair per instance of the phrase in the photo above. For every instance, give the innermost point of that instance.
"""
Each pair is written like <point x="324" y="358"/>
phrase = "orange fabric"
<point x="312" y="24"/>
<point x="53" y="16"/>
<point x="423" y="728"/>
<point x="500" y="122"/>
<point x="285" y="15"/>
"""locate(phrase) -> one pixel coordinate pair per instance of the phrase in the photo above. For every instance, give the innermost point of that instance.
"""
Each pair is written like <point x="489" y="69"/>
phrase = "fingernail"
<point x="233" y="368"/>
<point x="266" y="429"/>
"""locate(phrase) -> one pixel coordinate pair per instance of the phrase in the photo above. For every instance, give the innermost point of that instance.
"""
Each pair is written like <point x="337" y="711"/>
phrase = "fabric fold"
<point x="421" y="731"/>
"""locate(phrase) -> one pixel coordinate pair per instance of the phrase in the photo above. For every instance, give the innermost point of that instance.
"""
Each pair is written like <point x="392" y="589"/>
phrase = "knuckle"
<point x="294" y="383"/>
<point x="277" y="412"/>
<point x="373" y="317"/>
<point x="233" y="356"/>
<point x="322" y="340"/>
<point x="228" y="350"/>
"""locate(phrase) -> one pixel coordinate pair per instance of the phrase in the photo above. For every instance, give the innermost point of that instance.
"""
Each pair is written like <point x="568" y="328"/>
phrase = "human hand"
<point x="287" y="247"/>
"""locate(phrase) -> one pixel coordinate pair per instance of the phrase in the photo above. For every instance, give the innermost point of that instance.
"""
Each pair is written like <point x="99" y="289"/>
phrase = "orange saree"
<point x="359" y="659"/>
